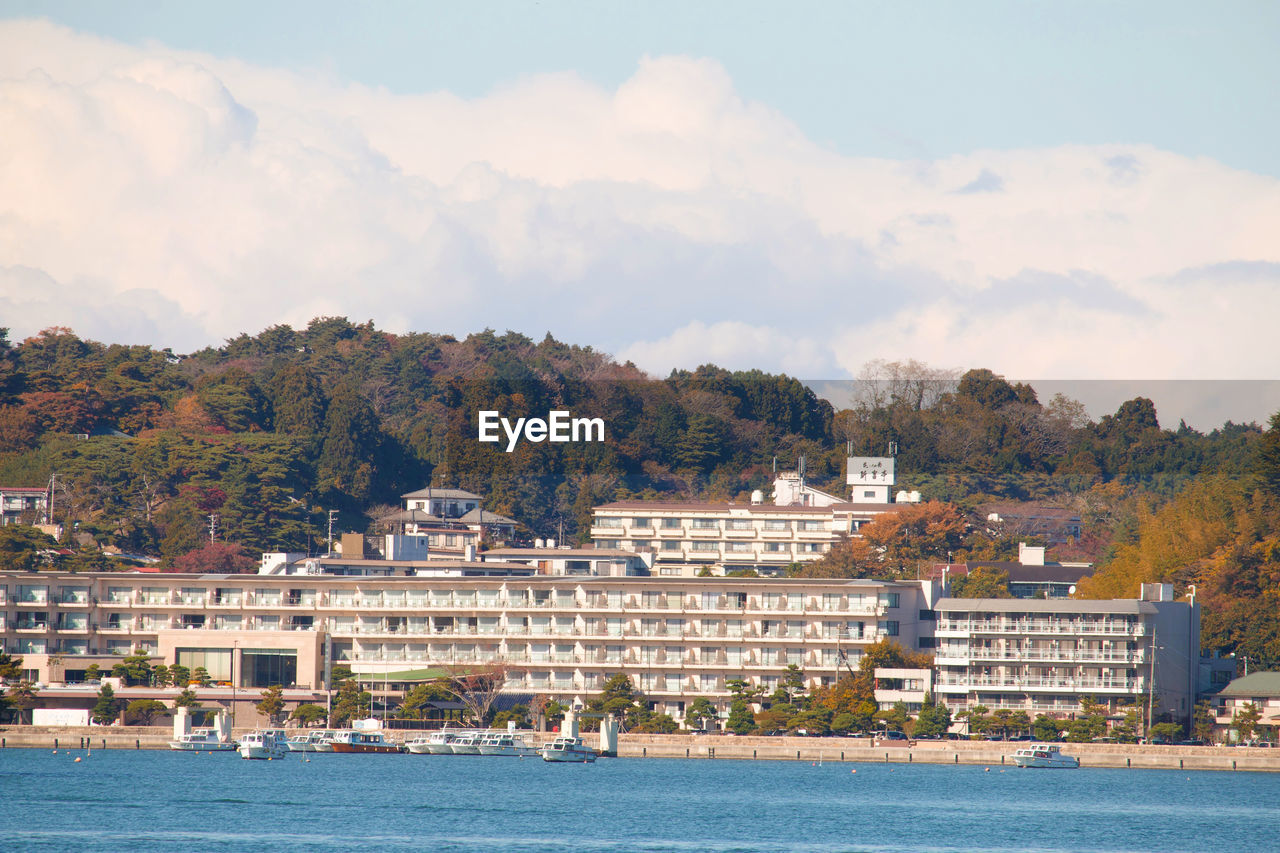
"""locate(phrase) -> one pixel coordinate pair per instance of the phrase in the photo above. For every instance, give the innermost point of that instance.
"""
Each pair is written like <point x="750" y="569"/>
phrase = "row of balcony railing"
<point x="332" y="601"/>
<point x="1040" y="626"/>
<point x="946" y="655"/>
<point x="1126" y="685"/>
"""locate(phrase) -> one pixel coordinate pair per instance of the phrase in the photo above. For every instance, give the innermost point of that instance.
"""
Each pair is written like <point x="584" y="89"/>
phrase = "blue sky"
<point x="884" y="79"/>
<point x="1066" y="191"/>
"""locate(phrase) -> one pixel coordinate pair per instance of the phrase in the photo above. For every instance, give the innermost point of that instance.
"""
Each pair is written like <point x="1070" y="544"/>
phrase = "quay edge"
<point x="721" y="747"/>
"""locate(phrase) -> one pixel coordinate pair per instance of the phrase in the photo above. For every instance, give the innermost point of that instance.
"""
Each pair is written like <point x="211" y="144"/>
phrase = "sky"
<point x="1070" y="191"/>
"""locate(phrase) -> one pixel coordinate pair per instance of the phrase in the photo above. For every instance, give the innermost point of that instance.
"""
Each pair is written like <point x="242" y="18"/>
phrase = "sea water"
<point x="121" y="800"/>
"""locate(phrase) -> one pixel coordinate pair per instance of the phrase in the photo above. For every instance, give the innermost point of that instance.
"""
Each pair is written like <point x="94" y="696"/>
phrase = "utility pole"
<point x="332" y="514"/>
<point x="213" y="526"/>
<point x="53" y="488"/>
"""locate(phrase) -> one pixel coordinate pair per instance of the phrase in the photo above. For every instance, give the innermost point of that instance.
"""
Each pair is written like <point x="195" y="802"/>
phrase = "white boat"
<point x="437" y="743"/>
<point x="202" y="740"/>
<point x="466" y="744"/>
<point x="567" y="749"/>
<point x="1044" y="755"/>
<point x="317" y="741"/>
<point x="265" y="743"/>
<point x="362" y="742"/>
<point x="507" y="745"/>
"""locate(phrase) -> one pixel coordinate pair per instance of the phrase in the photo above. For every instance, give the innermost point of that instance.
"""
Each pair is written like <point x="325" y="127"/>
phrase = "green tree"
<point x="1203" y="722"/>
<point x="179" y="675"/>
<point x="1245" y="720"/>
<point x="107" y="708"/>
<point x="894" y="719"/>
<point x="701" y="713"/>
<point x="92" y="672"/>
<point x="1267" y="464"/>
<point x="10" y="667"/>
<point x="350" y="703"/>
<point x="160" y="676"/>
<point x="23" y="697"/>
<point x="201" y="676"/>
<point x="308" y="714"/>
<point x="21" y="546"/>
<point x="741" y="721"/>
<point x="982" y="582"/>
<point x="417" y="700"/>
<point x="933" y="720"/>
<point x="1167" y="732"/>
<point x="141" y="711"/>
<point x="186" y="699"/>
<point x="134" y="669"/>
<point x="618" y="697"/>
<point x="1044" y="727"/>
<point x="272" y="703"/>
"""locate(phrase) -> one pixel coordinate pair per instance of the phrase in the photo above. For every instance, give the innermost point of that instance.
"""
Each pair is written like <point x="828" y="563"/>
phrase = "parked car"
<point x="891" y="736"/>
<point x="1192" y="742"/>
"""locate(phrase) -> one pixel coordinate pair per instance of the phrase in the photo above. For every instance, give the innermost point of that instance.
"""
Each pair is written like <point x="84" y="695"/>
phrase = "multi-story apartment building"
<point x="561" y="636"/>
<point x="23" y="504"/>
<point x="685" y="537"/>
<point x="800" y="525"/>
<point x="1044" y="656"/>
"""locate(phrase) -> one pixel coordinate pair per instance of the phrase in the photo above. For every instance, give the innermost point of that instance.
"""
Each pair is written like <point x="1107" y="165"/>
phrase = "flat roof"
<point x="700" y="506"/>
<point x="1032" y="605"/>
<point x="565" y="553"/>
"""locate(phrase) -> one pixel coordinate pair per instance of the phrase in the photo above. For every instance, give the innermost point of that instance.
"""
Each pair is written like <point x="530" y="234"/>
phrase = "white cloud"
<point x="159" y="196"/>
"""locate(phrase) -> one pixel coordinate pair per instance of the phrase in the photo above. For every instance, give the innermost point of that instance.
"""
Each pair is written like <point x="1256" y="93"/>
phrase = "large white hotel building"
<point x="562" y="621"/>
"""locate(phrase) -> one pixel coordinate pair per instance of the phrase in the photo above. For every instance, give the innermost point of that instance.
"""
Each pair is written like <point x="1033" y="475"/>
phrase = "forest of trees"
<point x="270" y="432"/>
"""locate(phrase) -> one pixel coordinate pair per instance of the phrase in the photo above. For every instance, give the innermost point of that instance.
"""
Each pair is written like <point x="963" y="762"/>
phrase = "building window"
<point x="266" y="667"/>
<point x="671" y="524"/>
<point x="889" y="628"/>
<point x="217" y="662"/>
<point x="706" y="524"/>
<point x="776" y="524"/>
<point x="741" y="524"/>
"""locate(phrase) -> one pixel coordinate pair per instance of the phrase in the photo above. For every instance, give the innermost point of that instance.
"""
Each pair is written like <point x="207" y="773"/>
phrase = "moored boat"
<point x="1047" y="755"/>
<point x="317" y="741"/>
<point x="351" y="740"/>
<point x="265" y="744"/>
<point x="202" y="740"/>
<point x="507" y="745"/>
<point x="466" y="744"/>
<point x="567" y="749"/>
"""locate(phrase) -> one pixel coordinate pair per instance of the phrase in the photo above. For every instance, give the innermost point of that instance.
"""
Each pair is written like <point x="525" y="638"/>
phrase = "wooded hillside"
<point x="271" y="431"/>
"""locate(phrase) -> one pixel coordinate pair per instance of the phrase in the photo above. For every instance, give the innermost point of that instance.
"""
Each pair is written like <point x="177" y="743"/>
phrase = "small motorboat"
<point x="351" y="740"/>
<point x="265" y="744"/>
<point x="202" y="740"/>
<point x="1047" y="755"/>
<point x="567" y="749"/>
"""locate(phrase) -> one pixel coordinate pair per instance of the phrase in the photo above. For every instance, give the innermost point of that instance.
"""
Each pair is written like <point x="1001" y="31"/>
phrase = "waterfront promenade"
<point x="703" y="747"/>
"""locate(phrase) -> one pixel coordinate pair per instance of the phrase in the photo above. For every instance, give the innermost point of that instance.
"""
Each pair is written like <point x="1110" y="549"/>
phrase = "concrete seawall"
<point x="813" y="749"/>
<point x="941" y="752"/>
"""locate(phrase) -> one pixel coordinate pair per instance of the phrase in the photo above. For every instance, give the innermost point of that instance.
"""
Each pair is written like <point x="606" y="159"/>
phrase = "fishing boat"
<point x="351" y="740"/>
<point x="1044" y="755"/>
<point x="567" y="749"/>
<point x="202" y="740"/>
<point x="265" y="744"/>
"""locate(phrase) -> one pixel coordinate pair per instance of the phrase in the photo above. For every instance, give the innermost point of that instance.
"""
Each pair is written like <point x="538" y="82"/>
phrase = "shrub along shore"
<point x="722" y="747"/>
